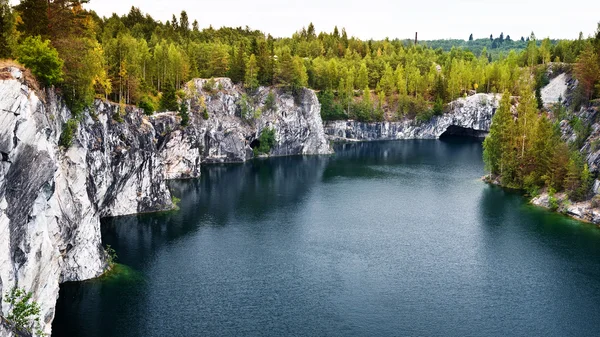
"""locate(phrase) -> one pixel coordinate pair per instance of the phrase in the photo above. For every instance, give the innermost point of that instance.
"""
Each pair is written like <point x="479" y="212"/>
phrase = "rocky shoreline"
<point x="52" y="199"/>
<point x="585" y="211"/>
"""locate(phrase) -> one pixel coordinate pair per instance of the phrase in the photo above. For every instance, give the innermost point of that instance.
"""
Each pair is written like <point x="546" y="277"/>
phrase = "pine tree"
<point x="251" y="77"/>
<point x="237" y="68"/>
<point x="168" y="100"/>
<point x="587" y="70"/>
<point x="184" y="25"/>
<point x="363" y="76"/>
<point x="8" y="33"/>
<point x="401" y="84"/>
<point x="497" y="145"/>
<point x="311" y="34"/>
<point x="34" y="17"/>
<point x="387" y="82"/>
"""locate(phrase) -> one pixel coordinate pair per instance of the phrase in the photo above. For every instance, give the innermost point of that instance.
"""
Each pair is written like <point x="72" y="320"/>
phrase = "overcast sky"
<point x="433" y="19"/>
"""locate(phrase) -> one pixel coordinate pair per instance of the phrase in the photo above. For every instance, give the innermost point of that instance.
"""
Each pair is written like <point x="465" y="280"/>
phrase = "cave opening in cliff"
<point x="255" y="144"/>
<point x="458" y="131"/>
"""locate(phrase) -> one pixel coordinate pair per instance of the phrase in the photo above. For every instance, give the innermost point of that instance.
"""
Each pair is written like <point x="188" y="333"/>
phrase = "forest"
<point x="136" y="60"/>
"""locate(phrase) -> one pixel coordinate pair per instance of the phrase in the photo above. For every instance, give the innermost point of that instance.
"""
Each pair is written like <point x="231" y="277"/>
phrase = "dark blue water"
<point x="382" y="239"/>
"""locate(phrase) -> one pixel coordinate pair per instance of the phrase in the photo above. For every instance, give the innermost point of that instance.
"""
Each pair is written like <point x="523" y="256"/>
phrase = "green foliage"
<point x="205" y="114"/>
<point x="270" y="102"/>
<point x="251" y="78"/>
<point x="111" y="256"/>
<point x="410" y="107"/>
<point x="175" y="201"/>
<point x="34" y="18"/>
<point x="438" y="107"/>
<point x="183" y="113"/>
<point x="147" y="105"/>
<point x="582" y="132"/>
<point x="127" y="58"/>
<point x="42" y="59"/>
<point x="330" y="110"/>
<point x="257" y="113"/>
<point x="168" y="100"/>
<point x="245" y="107"/>
<point x="266" y="140"/>
<point x="23" y="311"/>
<point x="209" y="86"/>
<point x="529" y="154"/>
<point x="69" y="129"/>
<point x="292" y="72"/>
<point x="552" y="201"/>
<point x="424" y="116"/>
<point x="121" y="111"/>
<point x="587" y="71"/>
<point x="8" y="33"/>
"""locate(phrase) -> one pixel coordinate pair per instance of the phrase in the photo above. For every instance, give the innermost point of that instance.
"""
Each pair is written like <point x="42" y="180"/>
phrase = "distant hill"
<point x="494" y="47"/>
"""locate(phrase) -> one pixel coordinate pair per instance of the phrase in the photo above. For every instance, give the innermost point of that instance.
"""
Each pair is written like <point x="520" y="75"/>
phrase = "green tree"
<point x="34" y="17"/>
<point x="8" y="33"/>
<point x="388" y="82"/>
<point x="251" y="78"/>
<point x="24" y="312"/>
<point x="587" y="70"/>
<point x="168" y="100"/>
<point x="291" y="71"/>
<point x="498" y="143"/>
<point x="362" y="80"/>
<point x="237" y="69"/>
<point x="270" y="104"/>
<point x="183" y="113"/>
<point x="42" y="59"/>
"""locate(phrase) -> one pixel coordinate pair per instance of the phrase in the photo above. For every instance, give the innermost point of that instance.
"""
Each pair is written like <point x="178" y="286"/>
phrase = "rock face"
<point x="556" y="90"/>
<point x="218" y="133"/>
<point x="583" y="211"/>
<point x="52" y="199"/>
<point x="470" y="116"/>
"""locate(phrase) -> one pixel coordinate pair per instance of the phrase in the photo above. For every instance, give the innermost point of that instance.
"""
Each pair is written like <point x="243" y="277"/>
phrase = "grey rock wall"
<point x="473" y="114"/>
<point x="52" y="199"/>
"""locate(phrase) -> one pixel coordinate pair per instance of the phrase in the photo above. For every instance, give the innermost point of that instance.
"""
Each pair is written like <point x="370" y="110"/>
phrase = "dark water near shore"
<point x="382" y="239"/>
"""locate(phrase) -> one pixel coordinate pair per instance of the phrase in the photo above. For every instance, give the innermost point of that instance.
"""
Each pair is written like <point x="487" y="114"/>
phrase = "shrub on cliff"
<point x="41" y="59"/>
<point x="270" y="102"/>
<point x="183" y="113"/>
<point x="66" y="138"/>
<point x="24" y="313"/>
<point x="266" y="140"/>
<point x="147" y="105"/>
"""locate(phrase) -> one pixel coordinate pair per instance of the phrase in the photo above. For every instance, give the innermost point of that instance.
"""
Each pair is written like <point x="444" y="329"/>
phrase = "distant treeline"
<point x="134" y="59"/>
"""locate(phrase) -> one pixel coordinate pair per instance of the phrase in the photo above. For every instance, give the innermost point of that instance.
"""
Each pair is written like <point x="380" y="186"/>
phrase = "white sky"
<point x="433" y="19"/>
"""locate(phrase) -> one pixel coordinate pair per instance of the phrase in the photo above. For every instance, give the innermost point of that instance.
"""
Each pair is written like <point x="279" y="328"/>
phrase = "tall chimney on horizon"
<point x="416" y="40"/>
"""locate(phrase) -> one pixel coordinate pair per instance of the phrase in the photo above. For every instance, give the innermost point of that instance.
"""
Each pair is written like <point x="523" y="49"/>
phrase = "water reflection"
<point x="391" y="238"/>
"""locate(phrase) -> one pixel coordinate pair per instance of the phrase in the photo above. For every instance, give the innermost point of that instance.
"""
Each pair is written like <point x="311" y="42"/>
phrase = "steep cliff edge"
<point x="52" y="199"/>
<point x="468" y="116"/>
<point x="219" y="133"/>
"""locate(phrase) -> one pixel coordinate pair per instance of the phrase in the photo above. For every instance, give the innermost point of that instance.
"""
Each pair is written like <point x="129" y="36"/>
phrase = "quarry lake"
<point x="381" y="239"/>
